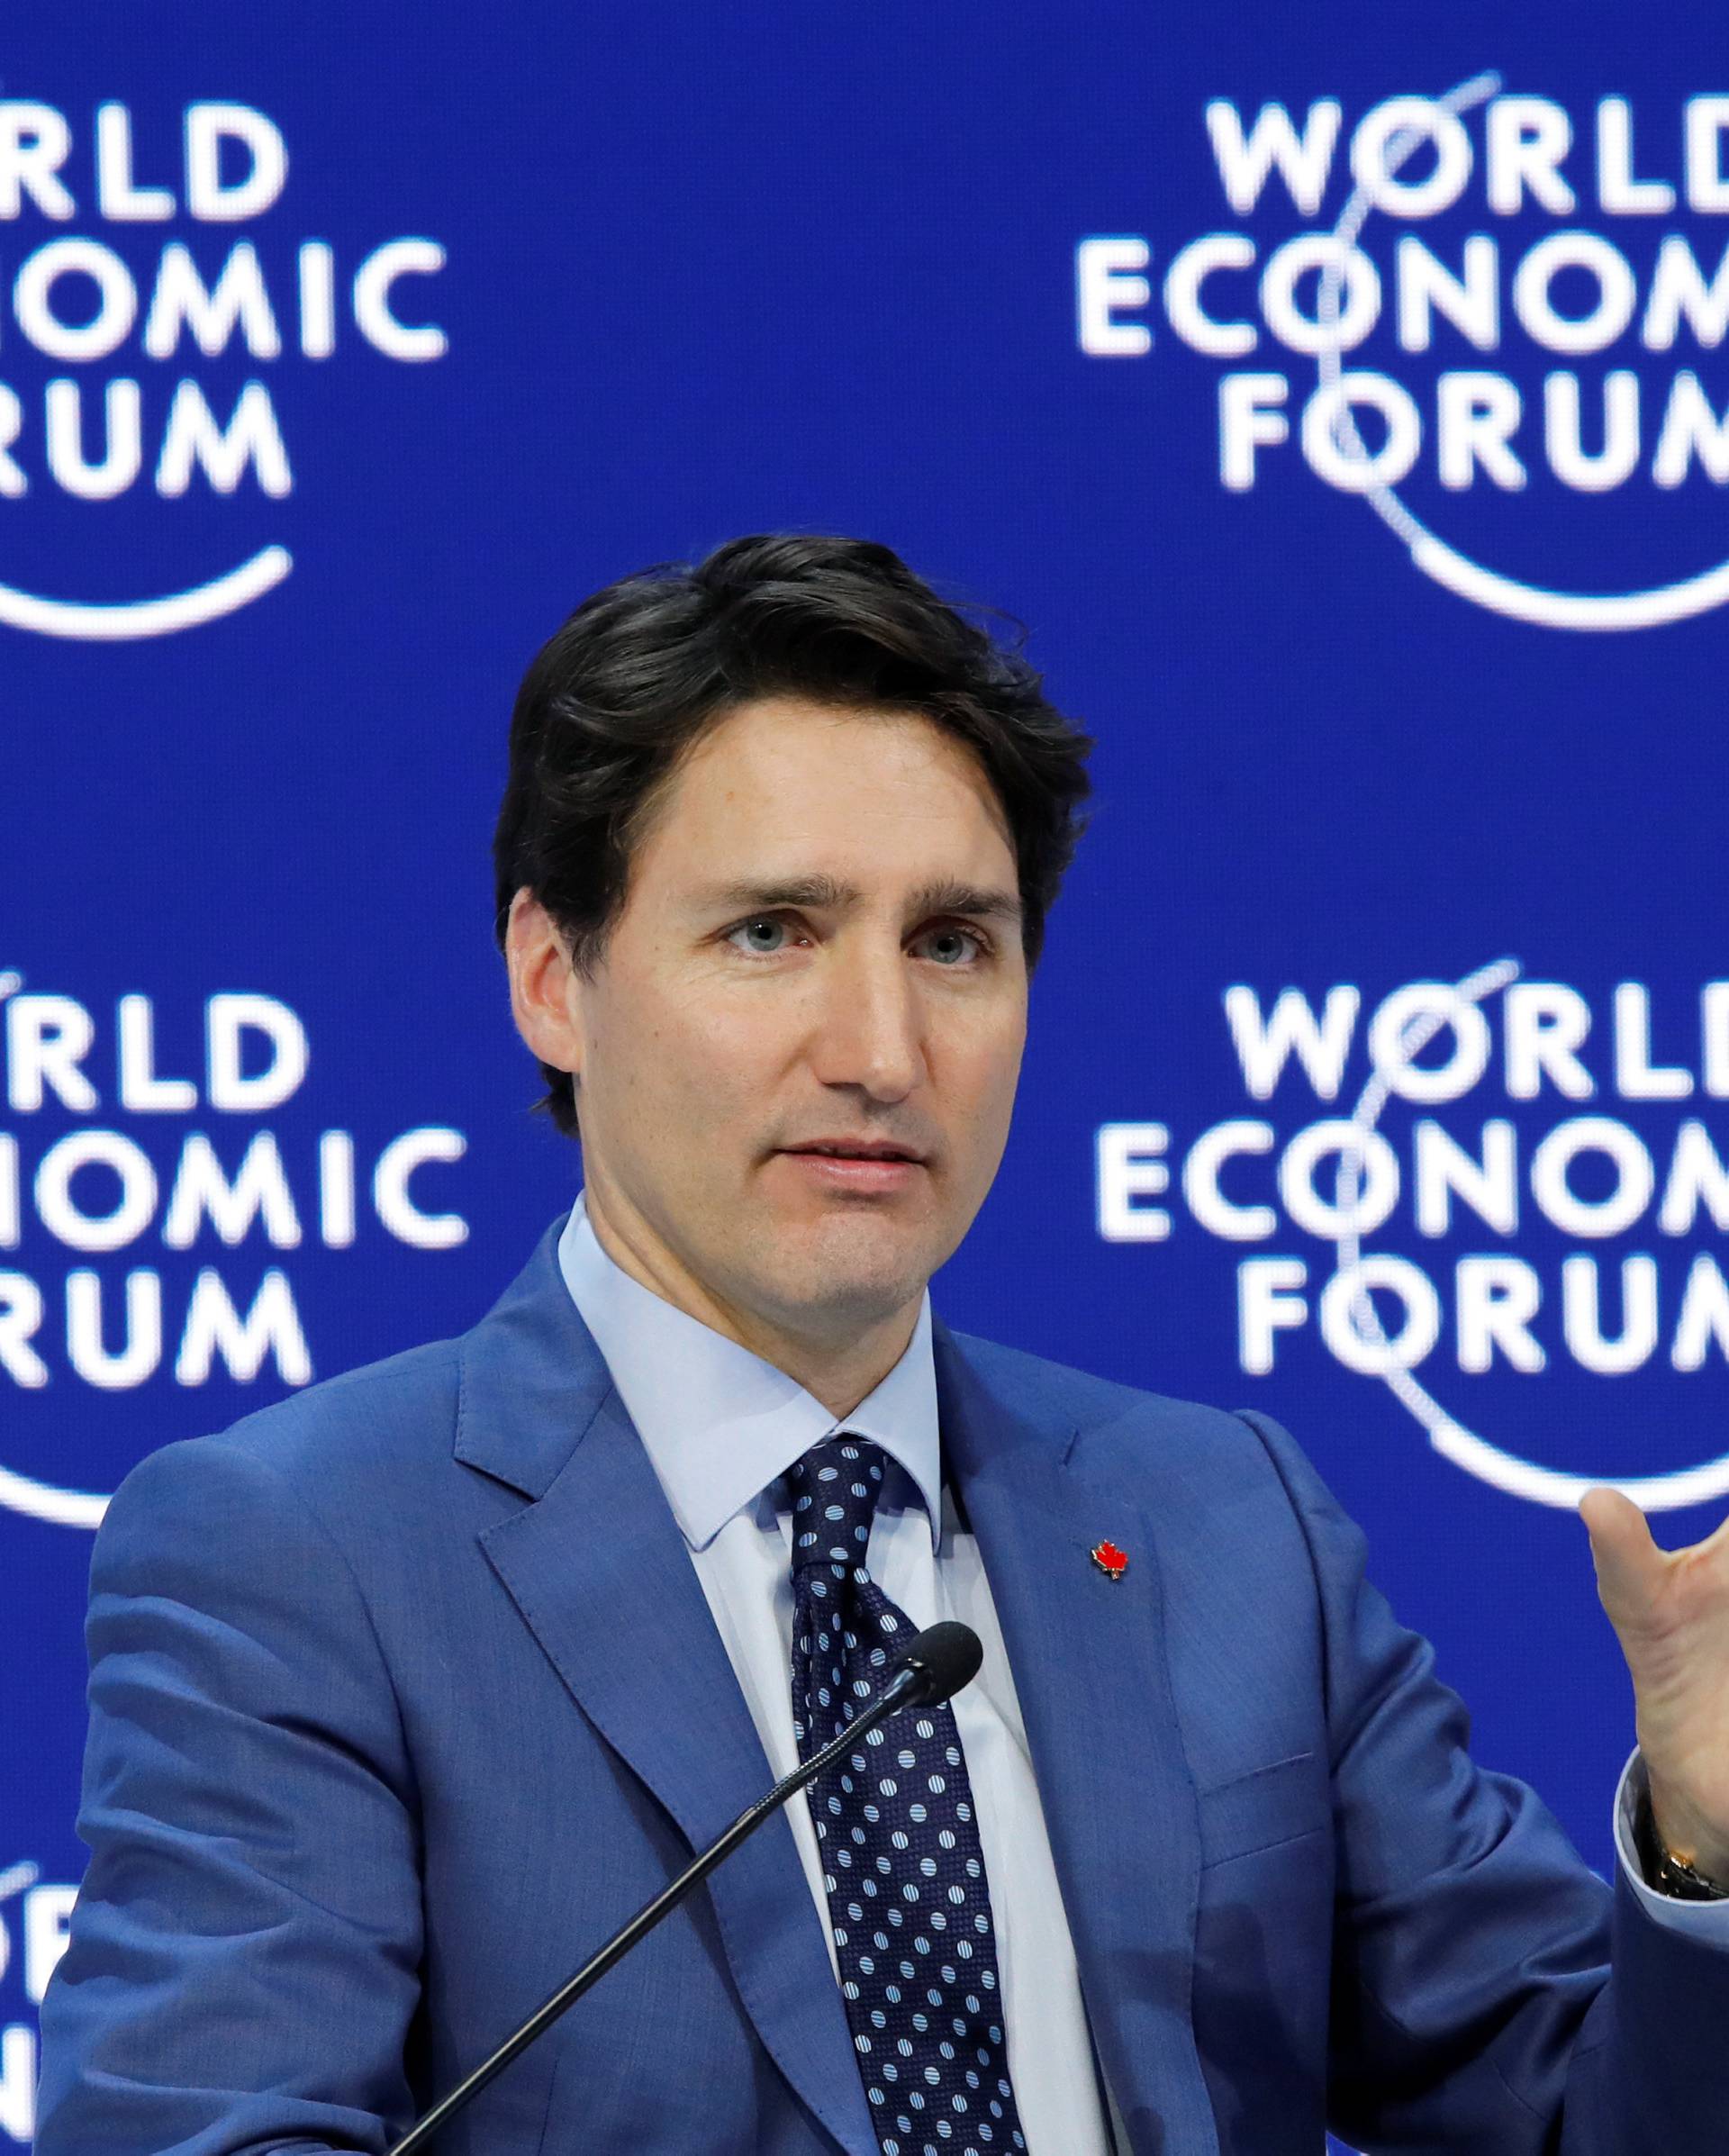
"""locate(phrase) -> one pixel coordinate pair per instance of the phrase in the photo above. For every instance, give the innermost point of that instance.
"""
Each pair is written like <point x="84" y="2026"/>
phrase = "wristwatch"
<point x="1666" y="1874"/>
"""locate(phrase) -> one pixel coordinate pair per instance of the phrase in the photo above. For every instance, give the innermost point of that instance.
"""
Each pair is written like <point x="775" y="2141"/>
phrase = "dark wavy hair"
<point x="647" y="665"/>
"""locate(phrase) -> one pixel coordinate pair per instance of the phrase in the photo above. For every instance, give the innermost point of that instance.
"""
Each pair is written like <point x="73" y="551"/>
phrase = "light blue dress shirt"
<point x="720" y="1426"/>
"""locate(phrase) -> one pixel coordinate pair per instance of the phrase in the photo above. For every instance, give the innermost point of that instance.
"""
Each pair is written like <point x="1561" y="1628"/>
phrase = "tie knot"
<point x="834" y="1488"/>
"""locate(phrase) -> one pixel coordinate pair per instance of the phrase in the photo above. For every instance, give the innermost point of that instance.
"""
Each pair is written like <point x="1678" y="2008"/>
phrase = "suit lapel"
<point x="602" y="1577"/>
<point x="1090" y="1672"/>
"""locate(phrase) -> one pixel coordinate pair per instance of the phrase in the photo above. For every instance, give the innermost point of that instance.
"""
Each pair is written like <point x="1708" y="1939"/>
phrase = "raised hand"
<point x="1671" y="1610"/>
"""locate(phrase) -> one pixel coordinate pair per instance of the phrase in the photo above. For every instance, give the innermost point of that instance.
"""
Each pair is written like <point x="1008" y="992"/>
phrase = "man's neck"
<point x="839" y="1372"/>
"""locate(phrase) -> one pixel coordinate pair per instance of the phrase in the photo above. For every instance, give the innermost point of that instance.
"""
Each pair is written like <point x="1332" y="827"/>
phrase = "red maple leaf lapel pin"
<point x="1111" y="1561"/>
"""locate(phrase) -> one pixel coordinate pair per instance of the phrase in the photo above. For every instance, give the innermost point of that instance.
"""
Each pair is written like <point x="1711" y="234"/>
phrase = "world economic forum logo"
<point x="35" y="1922"/>
<point x="162" y="1221"/>
<point x="1542" y="290"/>
<point x="1562" y="1235"/>
<point x="130" y="294"/>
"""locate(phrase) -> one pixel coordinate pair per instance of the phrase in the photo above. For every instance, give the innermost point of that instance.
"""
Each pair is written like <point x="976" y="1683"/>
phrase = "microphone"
<point x="932" y="1668"/>
<point x="942" y="1661"/>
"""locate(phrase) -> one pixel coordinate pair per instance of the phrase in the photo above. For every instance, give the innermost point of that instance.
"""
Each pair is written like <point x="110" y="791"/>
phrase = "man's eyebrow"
<point x="950" y="895"/>
<point x="977" y="901"/>
<point x="769" y="892"/>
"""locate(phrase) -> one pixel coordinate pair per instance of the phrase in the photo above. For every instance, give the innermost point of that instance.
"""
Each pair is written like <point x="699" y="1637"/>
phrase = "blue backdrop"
<point x="1337" y="393"/>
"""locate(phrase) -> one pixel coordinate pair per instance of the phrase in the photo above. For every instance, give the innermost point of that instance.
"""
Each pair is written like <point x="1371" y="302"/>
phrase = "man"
<point x="406" y="1693"/>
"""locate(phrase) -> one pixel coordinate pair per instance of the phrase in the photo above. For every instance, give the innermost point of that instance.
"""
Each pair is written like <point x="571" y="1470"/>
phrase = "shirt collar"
<point x="719" y="1423"/>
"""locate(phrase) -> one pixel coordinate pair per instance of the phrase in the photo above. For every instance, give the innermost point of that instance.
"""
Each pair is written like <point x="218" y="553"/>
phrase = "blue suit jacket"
<point x="405" y="1693"/>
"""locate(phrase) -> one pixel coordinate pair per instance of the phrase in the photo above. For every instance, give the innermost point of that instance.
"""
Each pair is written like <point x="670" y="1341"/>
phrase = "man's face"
<point x="797" y="1056"/>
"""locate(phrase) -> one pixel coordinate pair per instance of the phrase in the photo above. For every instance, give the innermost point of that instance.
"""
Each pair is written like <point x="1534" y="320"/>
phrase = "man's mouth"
<point x="857" y="1149"/>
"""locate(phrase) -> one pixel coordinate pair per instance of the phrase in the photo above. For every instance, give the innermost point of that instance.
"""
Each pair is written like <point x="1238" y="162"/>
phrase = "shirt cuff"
<point x="1706" y="1921"/>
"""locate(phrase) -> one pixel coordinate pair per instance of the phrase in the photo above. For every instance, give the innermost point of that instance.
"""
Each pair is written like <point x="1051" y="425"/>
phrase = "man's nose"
<point x="870" y="1033"/>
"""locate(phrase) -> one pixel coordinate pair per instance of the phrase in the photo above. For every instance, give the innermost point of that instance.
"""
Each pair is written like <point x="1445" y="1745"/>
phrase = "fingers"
<point x="1630" y="1567"/>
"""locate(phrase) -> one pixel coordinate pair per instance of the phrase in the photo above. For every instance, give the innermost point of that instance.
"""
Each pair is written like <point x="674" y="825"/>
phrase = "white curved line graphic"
<point x="1454" y="571"/>
<point x="1546" y="1486"/>
<point x="146" y="617"/>
<point x="58" y="1508"/>
<point x="1569" y="610"/>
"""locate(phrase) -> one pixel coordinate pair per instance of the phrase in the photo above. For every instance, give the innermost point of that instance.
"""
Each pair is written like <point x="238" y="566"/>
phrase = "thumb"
<point x="1630" y="1567"/>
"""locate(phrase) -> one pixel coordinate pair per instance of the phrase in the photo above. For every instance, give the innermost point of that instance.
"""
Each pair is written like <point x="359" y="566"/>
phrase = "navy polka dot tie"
<point x="908" y="1902"/>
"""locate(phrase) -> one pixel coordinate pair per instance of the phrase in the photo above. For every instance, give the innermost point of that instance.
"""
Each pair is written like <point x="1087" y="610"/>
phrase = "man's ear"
<point x="542" y="985"/>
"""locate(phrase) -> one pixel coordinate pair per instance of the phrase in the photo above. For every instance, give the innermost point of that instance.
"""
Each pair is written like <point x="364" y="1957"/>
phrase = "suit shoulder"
<point x="382" y="1419"/>
<point x="1098" y="1404"/>
<point x="397" y="1398"/>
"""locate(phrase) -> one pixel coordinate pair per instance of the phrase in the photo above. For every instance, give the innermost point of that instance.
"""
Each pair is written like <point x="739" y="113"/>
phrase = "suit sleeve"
<point x="1490" y="1992"/>
<point x="242" y="1968"/>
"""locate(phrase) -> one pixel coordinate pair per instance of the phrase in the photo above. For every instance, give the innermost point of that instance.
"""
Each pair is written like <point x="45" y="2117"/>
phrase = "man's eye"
<point x="951" y="947"/>
<point x="765" y="936"/>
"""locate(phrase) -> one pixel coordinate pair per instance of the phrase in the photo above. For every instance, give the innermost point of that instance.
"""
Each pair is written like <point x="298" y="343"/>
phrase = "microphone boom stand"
<point x="913" y="1685"/>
